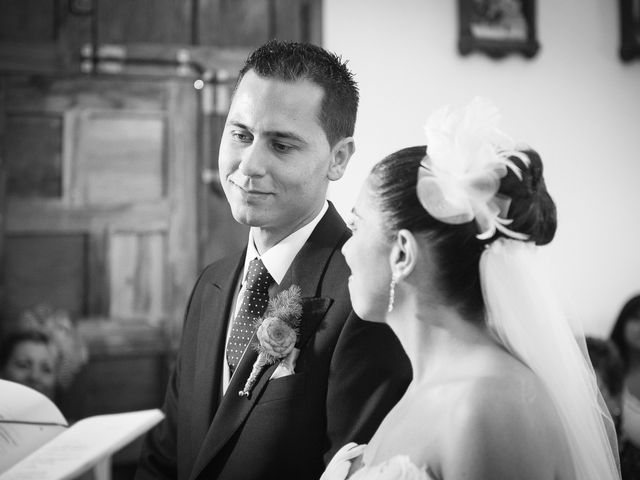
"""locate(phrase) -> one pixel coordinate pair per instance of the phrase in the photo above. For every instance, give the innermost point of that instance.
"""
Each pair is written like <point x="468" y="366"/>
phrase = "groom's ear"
<point x="403" y="254"/>
<point x="340" y="155"/>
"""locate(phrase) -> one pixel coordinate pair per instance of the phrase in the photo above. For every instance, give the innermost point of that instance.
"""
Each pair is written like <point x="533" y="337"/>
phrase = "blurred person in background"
<point x="43" y="350"/>
<point x="626" y="336"/>
<point x="58" y="325"/>
<point x="30" y="358"/>
<point x="609" y="368"/>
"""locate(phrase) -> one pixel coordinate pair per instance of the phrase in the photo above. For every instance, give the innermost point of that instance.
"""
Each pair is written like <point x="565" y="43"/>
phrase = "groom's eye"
<point x="240" y="136"/>
<point x="282" y="147"/>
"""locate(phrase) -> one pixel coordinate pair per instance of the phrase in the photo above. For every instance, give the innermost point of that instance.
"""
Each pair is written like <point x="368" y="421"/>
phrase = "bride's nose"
<point x="346" y="249"/>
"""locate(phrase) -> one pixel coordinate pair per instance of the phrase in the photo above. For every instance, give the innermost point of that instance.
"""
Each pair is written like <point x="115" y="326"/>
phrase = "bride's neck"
<point x="435" y="338"/>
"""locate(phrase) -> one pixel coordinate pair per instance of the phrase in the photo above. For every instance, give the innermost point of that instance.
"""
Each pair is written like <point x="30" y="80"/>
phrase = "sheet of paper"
<point x="28" y="420"/>
<point x="83" y="445"/>
<point x="18" y="402"/>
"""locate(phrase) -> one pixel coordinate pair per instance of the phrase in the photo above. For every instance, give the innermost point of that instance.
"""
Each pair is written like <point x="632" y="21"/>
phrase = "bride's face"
<point x="367" y="254"/>
<point x="632" y="332"/>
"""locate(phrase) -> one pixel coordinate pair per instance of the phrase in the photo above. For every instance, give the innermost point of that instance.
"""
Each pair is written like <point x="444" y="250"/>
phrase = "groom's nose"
<point x="253" y="160"/>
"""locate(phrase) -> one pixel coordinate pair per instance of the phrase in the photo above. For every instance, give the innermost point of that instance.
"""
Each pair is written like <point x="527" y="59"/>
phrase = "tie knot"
<point x="258" y="277"/>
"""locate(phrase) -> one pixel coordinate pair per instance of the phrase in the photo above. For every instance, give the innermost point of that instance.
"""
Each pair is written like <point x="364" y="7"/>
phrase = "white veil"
<point x="458" y="181"/>
<point x="523" y="313"/>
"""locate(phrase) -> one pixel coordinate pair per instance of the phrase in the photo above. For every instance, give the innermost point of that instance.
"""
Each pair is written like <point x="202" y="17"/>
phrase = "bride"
<point x="502" y="387"/>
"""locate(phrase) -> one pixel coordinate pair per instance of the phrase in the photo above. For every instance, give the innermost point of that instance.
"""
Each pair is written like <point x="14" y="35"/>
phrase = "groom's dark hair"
<point x="293" y="61"/>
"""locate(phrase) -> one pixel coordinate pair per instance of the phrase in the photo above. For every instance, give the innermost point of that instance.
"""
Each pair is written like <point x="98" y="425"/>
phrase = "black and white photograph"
<point x="319" y="240"/>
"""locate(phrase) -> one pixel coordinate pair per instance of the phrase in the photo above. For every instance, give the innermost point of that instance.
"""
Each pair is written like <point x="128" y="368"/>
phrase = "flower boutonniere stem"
<point x="277" y="332"/>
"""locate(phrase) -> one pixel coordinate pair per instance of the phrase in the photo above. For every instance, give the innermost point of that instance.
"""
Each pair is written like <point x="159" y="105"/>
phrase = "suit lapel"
<point x="309" y="266"/>
<point x="215" y="309"/>
<point x="306" y="271"/>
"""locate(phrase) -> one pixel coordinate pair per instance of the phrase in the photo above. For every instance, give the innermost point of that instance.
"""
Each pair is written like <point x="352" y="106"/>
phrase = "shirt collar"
<point x="279" y="258"/>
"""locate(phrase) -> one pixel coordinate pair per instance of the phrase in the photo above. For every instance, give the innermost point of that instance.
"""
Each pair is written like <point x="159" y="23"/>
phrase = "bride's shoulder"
<point x="511" y="391"/>
<point x="502" y="417"/>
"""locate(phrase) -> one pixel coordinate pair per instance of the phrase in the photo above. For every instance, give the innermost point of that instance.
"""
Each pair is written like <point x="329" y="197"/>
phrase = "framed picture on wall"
<point x="498" y="27"/>
<point x="629" y="29"/>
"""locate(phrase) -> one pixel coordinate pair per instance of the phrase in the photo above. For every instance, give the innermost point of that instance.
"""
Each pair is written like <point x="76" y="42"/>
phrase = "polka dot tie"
<point x="254" y="303"/>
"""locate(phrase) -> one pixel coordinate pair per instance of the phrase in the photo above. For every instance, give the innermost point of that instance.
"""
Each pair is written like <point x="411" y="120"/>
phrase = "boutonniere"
<point x="277" y="333"/>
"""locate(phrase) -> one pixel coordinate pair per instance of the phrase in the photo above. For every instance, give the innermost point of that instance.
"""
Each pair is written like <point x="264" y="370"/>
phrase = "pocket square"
<point x="286" y="366"/>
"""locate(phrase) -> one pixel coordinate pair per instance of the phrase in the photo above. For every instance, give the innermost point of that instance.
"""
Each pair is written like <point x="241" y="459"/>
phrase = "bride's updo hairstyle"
<point x="532" y="209"/>
<point x="455" y="247"/>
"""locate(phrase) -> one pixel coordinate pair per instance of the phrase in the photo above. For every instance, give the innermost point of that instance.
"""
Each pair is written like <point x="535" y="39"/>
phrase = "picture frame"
<point x="629" y="30"/>
<point x="498" y="28"/>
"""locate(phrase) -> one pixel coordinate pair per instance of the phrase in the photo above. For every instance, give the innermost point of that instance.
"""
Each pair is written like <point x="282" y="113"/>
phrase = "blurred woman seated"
<point x="43" y="350"/>
<point x="30" y="358"/>
<point x="626" y="336"/>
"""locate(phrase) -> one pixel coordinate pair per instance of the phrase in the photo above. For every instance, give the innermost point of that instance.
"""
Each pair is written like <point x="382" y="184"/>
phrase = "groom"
<point x="288" y="134"/>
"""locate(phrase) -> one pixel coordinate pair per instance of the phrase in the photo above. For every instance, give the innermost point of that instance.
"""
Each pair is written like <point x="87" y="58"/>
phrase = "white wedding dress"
<point x="398" y="467"/>
<point x="514" y="287"/>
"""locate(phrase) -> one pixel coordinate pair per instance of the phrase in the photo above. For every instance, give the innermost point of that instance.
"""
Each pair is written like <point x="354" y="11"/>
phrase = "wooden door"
<point x="100" y="209"/>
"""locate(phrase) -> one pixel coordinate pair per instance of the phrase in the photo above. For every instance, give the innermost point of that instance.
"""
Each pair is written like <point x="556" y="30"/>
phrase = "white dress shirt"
<point x="277" y="261"/>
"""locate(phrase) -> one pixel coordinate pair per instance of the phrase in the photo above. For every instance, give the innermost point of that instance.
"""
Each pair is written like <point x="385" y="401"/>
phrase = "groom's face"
<point x="274" y="155"/>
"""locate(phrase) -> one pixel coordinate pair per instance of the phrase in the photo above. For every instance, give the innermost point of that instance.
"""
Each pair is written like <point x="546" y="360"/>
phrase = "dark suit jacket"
<point x="348" y="376"/>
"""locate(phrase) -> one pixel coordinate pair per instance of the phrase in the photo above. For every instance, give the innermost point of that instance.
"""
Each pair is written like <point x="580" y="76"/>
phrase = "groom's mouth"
<point x="249" y="191"/>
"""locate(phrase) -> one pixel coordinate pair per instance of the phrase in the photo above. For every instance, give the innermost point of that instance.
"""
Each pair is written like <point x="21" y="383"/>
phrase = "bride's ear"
<point x="403" y="254"/>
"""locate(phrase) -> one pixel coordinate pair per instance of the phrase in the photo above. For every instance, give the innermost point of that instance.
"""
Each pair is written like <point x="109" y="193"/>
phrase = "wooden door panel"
<point x="120" y="157"/>
<point x="145" y="21"/>
<point x="46" y="268"/>
<point x="27" y="21"/>
<point x="233" y="23"/>
<point x="137" y="275"/>
<point x="220" y="23"/>
<point x="33" y="150"/>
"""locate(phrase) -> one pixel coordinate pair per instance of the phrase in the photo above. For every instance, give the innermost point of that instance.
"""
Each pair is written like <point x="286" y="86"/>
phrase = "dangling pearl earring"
<point x="392" y="292"/>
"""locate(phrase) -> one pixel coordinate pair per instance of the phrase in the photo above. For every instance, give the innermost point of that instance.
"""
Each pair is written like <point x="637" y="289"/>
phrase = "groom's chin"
<point x="244" y="213"/>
